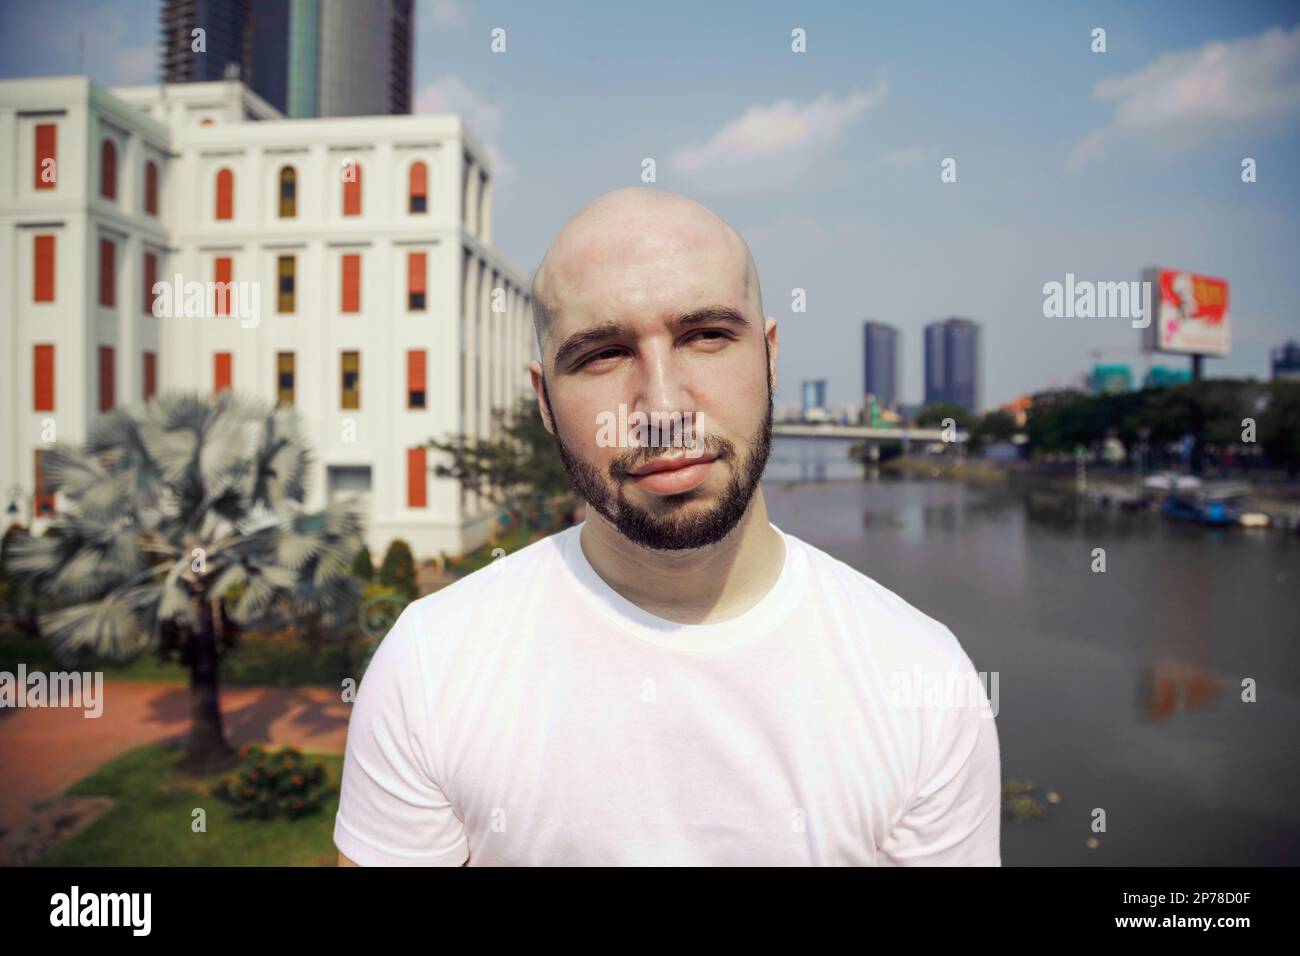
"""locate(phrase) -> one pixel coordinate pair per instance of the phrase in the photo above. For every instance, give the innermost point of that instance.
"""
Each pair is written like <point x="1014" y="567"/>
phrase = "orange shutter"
<point x="419" y="180"/>
<point x="352" y="191"/>
<point x="416" y="478"/>
<point x="415" y="370"/>
<point x="43" y="376"/>
<point x="150" y="277"/>
<point x="47" y="147"/>
<point x="107" y="283"/>
<point x="222" y="268"/>
<point x="352" y="282"/>
<point x="150" y="375"/>
<point x="221" y="371"/>
<point x="415" y="271"/>
<point x="43" y="265"/>
<point x="107" y="386"/>
<point x="151" y="188"/>
<point x="225" y="194"/>
<point x="108" y="169"/>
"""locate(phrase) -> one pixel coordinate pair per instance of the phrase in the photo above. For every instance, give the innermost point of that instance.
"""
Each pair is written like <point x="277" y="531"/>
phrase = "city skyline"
<point x="829" y="161"/>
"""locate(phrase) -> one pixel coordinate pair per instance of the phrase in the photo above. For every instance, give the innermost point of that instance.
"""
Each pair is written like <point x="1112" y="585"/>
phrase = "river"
<point x="1118" y="690"/>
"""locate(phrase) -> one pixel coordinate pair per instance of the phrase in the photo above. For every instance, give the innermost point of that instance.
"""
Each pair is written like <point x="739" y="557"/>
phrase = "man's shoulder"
<point x="880" y="611"/>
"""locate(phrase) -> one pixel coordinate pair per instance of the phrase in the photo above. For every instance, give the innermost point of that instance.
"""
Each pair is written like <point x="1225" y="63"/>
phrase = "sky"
<point x="829" y="161"/>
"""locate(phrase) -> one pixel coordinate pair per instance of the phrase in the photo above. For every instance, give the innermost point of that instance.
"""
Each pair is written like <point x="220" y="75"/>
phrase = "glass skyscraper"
<point x="952" y="363"/>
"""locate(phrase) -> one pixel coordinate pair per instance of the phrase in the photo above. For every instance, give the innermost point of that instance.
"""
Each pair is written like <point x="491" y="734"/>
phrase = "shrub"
<point x="362" y="566"/>
<point x="398" y="569"/>
<point x="273" y="784"/>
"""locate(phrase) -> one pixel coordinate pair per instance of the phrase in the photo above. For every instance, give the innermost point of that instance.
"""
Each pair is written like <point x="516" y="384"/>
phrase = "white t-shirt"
<point x="530" y="715"/>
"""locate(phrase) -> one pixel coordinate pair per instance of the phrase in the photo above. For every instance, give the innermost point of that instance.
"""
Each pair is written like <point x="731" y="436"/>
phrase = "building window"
<point x="223" y="266"/>
<point x="108" y="169"/>
<point x="351" y="282"/>
<point x="151" y="188"/>
<point x="419" y="188"/>
<point x="44" y="503"/>
<point x="150" y="378"/>
<point x="107" y="274"/>
<point x="225" y="194"/>
<point x="107" y="384"/>
<point x="47" y="159"/>
<point x="415" y="273"/>
<point x="150" y="280"/>
<point x="351" y="188"/>
<point x="43" y="378"/>
<point x="351" y="380"/>
<point x="43" y="269"/>
<point x="415" y="388"/>
<point x="285" y="275"/>
<point x="221" y="363"/>
<point x="284" y="378"/>
<point x="417" y="478"/>
<point x="288" y="192"/>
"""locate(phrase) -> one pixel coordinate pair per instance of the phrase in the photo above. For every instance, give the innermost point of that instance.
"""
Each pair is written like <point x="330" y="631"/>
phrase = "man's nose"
<point x="663" y="384"/>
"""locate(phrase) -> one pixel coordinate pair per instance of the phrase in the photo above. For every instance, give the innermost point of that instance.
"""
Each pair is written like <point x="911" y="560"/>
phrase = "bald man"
<point x="675" y="680"/>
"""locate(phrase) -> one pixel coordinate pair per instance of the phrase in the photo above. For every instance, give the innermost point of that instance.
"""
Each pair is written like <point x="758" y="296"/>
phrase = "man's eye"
<point x="599" y="355"/>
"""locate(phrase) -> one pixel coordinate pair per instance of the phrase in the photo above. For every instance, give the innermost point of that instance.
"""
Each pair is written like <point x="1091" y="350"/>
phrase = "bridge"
<point x="879" y="436"/>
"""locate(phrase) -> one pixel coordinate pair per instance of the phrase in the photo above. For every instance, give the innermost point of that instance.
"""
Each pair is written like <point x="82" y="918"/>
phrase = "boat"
<point x="1206" y="503"/>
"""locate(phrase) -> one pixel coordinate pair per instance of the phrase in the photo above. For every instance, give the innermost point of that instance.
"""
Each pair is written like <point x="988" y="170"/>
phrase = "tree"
<point x="1280" y="426"/>
<point x="932" y="416"/>
<point x="183" y="523"/>
<point x="362" y="566"/>
<point x="398" y="570"/>
<point x="996" y="426"/>
<point x="520" y="471"/>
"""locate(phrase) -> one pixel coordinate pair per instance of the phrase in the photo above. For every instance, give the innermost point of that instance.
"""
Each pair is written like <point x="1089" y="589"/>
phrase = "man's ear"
<point x="772" y="346"/>
<point x="539" y="389"/>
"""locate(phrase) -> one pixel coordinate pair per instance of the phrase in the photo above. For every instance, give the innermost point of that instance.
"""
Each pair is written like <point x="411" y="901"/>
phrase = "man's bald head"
<point x="654" y="216"/>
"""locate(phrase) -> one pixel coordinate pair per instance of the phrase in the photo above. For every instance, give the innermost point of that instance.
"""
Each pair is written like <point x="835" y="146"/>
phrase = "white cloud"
<point x="481" y="114"/>
<point x="774" y="142"/>
<point x="1183" y="97"/>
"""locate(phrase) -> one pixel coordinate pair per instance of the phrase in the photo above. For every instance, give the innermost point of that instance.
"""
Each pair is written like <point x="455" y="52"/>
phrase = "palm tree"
<point x="182" y="523"/>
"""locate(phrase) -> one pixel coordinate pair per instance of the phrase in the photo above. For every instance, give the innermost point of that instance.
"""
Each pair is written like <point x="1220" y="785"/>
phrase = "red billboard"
<point x="1190" y="313"/>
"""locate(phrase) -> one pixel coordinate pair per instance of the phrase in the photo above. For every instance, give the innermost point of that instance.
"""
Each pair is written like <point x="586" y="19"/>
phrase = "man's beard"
<point x="671" y="531"/>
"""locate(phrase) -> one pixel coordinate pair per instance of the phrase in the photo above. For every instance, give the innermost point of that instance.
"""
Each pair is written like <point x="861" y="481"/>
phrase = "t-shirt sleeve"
<point x="955" y="816"/>
<point x="392" y="812"/>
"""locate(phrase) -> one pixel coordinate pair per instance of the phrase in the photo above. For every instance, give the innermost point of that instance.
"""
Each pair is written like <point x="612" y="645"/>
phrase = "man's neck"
<point x="696" y="586"/>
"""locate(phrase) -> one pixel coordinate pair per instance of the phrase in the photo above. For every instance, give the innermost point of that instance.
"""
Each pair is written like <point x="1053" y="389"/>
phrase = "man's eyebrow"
<point x="709" y="315"/>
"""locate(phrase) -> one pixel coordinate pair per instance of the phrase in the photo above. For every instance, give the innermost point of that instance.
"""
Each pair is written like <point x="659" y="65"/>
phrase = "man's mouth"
<point x="671" y="463"/>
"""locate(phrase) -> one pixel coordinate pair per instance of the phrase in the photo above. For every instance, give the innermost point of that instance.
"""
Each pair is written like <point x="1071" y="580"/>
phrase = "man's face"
<point x="713" y="368"/>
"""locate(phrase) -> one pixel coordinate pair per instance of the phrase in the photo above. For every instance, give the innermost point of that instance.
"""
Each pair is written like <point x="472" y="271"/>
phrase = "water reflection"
<point x="1122" y="640"/>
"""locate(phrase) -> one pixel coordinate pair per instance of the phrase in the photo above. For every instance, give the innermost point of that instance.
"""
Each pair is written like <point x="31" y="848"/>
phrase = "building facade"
<point x="1285" y="362"/>
<point x="953" y="361"/>
<point x="306" y="58"/>
<point x="880" y="363"/>
<point x="362" y="286"/>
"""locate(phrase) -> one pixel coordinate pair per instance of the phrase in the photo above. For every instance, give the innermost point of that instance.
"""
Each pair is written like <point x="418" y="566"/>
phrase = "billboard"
<point x="1190" y="313"/>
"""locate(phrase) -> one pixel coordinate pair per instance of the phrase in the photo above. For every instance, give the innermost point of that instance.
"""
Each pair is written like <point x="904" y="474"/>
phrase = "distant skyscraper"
<point x="814" y="393"/>
<point x="952" y="363"/>
<point x="1286" y="362"/>
<point x="880" y="362"/>
<point x="304" y="57"/>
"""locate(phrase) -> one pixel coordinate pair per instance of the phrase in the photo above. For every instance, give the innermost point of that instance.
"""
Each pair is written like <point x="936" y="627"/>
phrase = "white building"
<point x="362" y="247"/>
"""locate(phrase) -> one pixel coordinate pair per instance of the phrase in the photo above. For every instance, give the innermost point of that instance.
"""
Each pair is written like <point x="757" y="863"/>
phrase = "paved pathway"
<point x="45" y="750"/>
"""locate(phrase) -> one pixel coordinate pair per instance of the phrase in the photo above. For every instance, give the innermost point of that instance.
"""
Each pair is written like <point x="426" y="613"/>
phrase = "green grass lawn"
<point x="150" y="821"/>
<point x="258" y="661"/>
